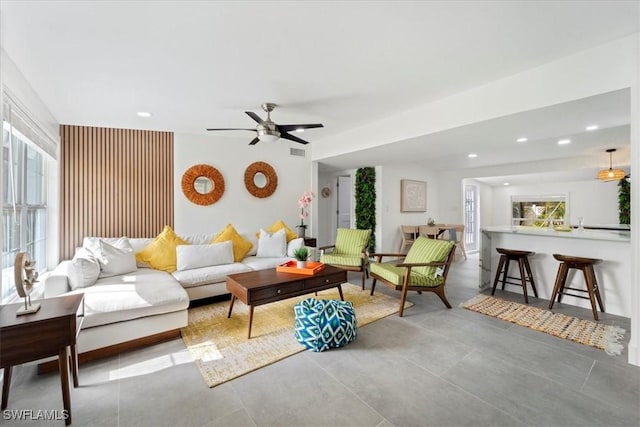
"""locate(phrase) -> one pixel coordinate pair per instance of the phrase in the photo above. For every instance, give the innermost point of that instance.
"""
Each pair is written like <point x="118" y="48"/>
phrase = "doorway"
<point x="471" y="217"/>
<point x="344" y="201"/>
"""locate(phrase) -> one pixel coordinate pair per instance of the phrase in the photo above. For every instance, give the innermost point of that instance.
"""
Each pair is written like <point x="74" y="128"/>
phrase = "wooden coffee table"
<point x="265" y="286"/>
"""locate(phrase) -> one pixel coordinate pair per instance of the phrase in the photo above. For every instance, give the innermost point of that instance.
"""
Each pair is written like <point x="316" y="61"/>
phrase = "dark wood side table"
<point x="310" y="241"/>
<point x="51" y="331"/>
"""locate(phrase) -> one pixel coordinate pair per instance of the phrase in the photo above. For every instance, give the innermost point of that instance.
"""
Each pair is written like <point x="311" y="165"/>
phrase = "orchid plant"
<point x="303" y="203"/>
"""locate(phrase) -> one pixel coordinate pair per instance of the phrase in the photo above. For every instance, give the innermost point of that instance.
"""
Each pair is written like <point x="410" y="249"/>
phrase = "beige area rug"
<point x="220" y="346"/>
<point x="587" y="332"/>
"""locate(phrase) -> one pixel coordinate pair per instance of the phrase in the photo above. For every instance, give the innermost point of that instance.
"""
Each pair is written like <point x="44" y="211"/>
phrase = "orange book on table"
<point x="291" y="267"/>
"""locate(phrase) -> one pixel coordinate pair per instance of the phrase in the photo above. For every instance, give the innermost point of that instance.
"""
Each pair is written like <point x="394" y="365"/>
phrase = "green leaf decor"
<point x="366" y="203"/>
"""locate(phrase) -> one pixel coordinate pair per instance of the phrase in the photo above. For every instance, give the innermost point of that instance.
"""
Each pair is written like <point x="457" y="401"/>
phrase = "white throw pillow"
<point x="293" y="245"/>
<point x="116" y="259"/>
<point x="272" y="245"/>
<point x="83" y="270"/>
<point x="197" y="256"/>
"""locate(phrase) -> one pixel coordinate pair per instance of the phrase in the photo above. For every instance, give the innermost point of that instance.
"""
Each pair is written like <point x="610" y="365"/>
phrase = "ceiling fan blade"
<point x="252" y="130"/>
<point x="290" y="137"/>
<point x="254" y="116"/>
<point x="287" y="128"/>
<point x="254" y="141"/>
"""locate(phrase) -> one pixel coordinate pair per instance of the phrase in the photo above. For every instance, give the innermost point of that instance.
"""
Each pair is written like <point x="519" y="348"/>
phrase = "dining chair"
<point x="408" y="235"/>
<point x="429" y="231"/>
<point x="459" y="239"/>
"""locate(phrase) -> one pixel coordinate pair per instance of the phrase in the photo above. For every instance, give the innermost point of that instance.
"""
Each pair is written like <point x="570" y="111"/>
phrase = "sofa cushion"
<point x="257" y="263"/>
<point x="272" y="245"/>
<point x="241" y="246"/>
<point x="161" y="253"/>
<point x="207" y="275"/>
<point x="277" y="226"/>
<point x="83" y="270"/>
<point x="426" y="250"/>
<point x="138" y="244"/>
<point x="198" y="239"/>
<point x="251" y="237"/>
<point x="293" y="245"/>
<point x="196" y="256"/>
<point x="144" y="292"/>
<point x="116" y="259"/>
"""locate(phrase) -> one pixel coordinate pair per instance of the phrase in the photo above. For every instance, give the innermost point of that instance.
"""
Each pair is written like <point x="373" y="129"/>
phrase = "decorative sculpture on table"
<point x="25" y="277"/>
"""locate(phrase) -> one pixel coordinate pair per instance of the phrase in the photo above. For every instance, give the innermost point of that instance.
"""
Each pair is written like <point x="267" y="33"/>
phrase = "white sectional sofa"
<point x="146" y="305"/>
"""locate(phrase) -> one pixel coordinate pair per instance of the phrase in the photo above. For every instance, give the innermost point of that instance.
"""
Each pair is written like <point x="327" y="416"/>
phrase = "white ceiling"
<point x="197" y="64"/>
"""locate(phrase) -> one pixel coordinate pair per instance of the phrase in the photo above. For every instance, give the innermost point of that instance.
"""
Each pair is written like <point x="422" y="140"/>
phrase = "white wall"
<point x="389" y="199"/>
<point x="595" y="201"/>
<point x="231" y="156"/>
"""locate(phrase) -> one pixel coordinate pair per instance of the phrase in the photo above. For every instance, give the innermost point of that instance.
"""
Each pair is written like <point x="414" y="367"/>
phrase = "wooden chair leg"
<point x="506" y="270"/>
<point x="560" y="277"/>
<point x="589" y="281"/>
<point x="373" y="285"/>
<point x="523" y="279"/>
<point x="596" y="288"/>
<point x="528" y="268"/>
<point x="498" y="270"/>
<point x="363" y="274"/>
<point x="440" y="292"/>
<point x="403" y="298"/>
<point x="563" y="282"/>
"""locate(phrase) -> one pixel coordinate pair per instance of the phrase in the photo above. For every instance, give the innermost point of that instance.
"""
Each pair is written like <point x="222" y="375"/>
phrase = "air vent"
<point x="296" y="152"/>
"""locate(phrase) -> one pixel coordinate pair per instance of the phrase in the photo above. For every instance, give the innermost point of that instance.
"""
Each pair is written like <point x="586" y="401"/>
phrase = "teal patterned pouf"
<point x="325" y="324"/>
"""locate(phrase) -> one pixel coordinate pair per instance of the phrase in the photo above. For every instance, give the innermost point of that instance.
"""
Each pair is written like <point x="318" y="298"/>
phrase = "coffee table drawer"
<point x="327" y="280"/>
<point x="279" y="290"/>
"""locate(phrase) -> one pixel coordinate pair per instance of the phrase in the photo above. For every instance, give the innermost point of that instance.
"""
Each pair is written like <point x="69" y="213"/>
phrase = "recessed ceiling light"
<point x="564" y="142"/>
<point x="472" y="155"/>
<point x="143" y="114"/>
<point x="592" y="127"/>
<point x="300" y="130"/>
<point x="505" y="184"/>
<point x="522" y="139"/>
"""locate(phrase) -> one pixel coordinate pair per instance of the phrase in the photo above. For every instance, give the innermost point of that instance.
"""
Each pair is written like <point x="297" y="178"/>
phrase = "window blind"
<point x="15" y="114"/>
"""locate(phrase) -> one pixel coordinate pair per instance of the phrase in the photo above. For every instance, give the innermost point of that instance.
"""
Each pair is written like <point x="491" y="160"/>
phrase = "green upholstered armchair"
<point x="349" y="251"/>
<point x="424" y="268"/>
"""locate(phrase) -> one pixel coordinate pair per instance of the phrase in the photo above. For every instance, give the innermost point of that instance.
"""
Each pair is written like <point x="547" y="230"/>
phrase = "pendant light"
<point x="611" y="174"/>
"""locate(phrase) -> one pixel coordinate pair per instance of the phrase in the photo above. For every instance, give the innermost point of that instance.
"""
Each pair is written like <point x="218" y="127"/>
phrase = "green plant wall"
<point x="624" y="200"/>
<point x="366" y="203"/>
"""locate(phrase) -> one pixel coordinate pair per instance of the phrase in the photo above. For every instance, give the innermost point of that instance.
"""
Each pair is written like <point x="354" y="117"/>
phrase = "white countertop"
<point x="612" y="235"/>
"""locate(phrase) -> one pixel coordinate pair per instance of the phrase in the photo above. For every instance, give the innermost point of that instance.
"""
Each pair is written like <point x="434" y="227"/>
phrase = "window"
<point x="24" y="205"/>
<point x="538" y="211"/>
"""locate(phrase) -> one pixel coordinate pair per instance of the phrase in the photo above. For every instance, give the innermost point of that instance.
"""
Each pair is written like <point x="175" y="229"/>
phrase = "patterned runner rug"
<point x="587" y="332"/>
<point x="220" y="346"/>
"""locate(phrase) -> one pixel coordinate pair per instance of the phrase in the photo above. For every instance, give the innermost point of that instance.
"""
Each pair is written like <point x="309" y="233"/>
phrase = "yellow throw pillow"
<point x="277" y="226"/>
<point x="161" y="253"/>
<point x="241" y="246"/>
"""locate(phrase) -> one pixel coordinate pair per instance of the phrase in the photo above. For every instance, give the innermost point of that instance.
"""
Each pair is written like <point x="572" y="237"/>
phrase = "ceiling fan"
<point x="268" y="131"/>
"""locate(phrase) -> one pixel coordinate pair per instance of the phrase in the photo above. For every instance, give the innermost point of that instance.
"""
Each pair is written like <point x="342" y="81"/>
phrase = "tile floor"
<point x="433" y="367"/>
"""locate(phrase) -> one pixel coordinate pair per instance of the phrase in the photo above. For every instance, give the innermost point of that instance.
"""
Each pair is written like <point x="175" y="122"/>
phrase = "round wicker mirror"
<point x="203" y="184"/>
<point x="260" y="179"/>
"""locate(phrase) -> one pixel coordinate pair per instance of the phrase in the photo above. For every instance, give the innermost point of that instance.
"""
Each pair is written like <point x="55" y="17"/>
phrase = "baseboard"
<point x="99" y="353"/>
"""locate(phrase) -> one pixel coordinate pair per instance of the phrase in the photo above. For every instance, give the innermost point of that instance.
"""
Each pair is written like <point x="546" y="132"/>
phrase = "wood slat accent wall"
<point x="113" y="182"/>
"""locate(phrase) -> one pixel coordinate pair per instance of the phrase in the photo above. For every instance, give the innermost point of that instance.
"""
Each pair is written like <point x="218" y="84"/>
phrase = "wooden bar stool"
<point x="586" y="265"/>
<point x="522" y="257"/>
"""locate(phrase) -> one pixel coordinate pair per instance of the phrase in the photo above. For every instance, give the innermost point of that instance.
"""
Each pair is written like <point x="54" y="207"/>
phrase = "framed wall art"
<point x="413" y="196"/>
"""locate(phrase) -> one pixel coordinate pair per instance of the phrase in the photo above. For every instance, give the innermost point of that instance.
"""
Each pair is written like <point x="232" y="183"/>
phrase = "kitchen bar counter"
<point x="611" y="246"/>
